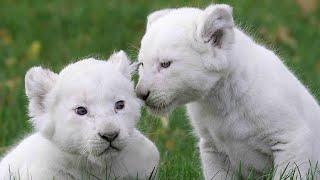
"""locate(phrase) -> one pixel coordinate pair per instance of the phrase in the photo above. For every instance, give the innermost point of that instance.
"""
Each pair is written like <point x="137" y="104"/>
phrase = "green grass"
<point x="53" y="33"/>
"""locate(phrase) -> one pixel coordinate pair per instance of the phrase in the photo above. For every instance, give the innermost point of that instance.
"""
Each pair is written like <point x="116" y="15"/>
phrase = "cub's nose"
<point x="110" y="136"/>
<point x="143" y="96"/>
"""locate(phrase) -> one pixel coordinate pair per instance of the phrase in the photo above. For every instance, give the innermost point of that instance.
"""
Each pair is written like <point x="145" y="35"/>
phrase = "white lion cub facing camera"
<point x="85" y="120"/>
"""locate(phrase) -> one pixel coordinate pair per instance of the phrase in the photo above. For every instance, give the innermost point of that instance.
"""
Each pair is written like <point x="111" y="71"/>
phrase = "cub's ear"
<point x="38" y="83"/>
<point x="215" y="25"/>
<point x="123" y="63"/>
<point x="156" y="15"/>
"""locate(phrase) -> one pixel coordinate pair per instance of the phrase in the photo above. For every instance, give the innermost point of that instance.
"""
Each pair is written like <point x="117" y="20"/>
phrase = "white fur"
<point x="245" y="105"/>
<point x="67" y="145"/>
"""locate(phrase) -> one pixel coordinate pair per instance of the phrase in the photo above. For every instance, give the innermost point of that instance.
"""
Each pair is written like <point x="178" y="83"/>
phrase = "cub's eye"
<point x="119" y="105"/>
<point x="81" y="110"/>
<point x="165" y="64"/>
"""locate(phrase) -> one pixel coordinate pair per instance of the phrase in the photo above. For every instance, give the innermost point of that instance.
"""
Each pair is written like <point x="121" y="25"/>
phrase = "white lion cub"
<point x="85" y="120"/>
<point x="245" y="105"/>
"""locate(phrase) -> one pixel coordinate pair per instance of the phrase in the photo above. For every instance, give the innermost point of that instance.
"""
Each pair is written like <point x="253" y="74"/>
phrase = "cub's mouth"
<point x="159" y="109"/>
<point x="109" y="149"/>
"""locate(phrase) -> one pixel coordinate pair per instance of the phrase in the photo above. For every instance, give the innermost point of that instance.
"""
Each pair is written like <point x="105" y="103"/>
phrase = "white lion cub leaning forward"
<point x="85" y="120"/>
<point x="246" y="107"/>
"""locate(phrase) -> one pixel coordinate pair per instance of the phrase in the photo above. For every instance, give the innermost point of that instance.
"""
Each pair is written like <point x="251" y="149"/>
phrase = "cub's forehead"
<point x="174" y="30"/>
<point x="92" y="77"/>
<point x="84" y="66"/>
<point x="96" y="90"/>
<point x="180" y="17"/>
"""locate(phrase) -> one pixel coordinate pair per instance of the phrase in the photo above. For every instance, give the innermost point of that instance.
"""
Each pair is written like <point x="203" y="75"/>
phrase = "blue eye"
<point x="119" y="105"/>
<point x="165" y="64"/>
<point x="81" y="110"/>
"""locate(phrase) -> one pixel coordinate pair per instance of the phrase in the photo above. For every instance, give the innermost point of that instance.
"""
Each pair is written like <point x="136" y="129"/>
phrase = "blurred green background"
<point x="54" y="33"/>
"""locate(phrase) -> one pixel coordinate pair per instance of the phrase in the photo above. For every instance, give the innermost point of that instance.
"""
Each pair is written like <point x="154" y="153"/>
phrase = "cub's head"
<point x="89" y="108"/>
<point x="184" y="54"/>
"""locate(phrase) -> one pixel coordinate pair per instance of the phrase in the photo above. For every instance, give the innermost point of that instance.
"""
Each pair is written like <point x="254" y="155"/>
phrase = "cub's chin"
<point x="160" y="110"/>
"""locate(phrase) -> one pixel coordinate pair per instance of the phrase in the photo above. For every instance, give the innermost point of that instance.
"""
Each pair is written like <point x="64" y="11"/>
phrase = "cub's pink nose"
<point x="111" y="136"/>
<point x="143" y="96"/>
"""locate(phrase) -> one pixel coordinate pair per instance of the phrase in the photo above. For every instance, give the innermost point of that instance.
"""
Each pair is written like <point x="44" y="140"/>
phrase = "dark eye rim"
<point x="165" y="64"/>
<point x="81" y="110"/>
<point x="119" y="105"/>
